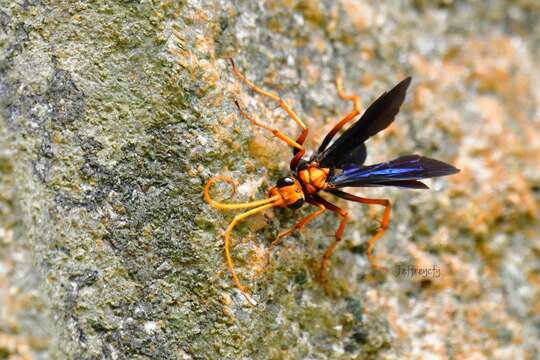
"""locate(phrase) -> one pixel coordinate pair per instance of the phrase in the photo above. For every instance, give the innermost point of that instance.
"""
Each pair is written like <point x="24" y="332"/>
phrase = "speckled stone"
<point x="115" y="114"/>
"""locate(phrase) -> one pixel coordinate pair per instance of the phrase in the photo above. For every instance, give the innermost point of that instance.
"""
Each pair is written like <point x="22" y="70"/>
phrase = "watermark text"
<point x="409" y="271"/>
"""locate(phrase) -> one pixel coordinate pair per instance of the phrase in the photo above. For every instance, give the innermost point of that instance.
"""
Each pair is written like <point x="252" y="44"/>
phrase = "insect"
<point x="335" y="165"/>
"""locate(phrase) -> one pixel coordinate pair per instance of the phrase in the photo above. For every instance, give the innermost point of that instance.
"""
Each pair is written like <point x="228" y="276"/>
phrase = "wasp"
<point x="333" y="166"/>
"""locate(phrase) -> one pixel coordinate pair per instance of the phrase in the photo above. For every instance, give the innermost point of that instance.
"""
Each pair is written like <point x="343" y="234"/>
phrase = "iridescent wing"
<point x="404" y="171"/>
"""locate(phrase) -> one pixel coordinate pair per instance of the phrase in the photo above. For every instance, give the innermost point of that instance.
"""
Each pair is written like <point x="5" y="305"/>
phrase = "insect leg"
<point x="352" y="97"/>
<point x="357" y="108"/>
<point x="273" y="130"/>
<point x="282" y="103"/>
<point x="298" y="226"/>
<point x="339" y="233"/>
<point x="384" y="222"/>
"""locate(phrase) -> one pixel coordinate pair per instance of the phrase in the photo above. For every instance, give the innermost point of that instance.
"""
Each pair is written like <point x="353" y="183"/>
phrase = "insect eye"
<point x="285" y="181"/>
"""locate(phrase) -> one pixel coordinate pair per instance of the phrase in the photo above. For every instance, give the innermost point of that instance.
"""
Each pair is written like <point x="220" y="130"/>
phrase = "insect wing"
<point x="403" y="171"/>
<point x="377" y="117"/>
<point x="356" y="157"/>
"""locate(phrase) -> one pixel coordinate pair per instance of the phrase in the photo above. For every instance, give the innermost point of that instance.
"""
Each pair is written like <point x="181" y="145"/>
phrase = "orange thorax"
<point x="314" y="178"/>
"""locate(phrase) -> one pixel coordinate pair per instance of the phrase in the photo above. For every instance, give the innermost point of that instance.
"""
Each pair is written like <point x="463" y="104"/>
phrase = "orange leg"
<point x="385" y="222"/>
<point x="357" y="108"/>
<point x="354" y="98"/>
<point x="273" y="130"/>
<point x="330" y="249"/>
<point x="339" y="233"/>
<point x="298" y="226"/>
<point x="298" y="148"/>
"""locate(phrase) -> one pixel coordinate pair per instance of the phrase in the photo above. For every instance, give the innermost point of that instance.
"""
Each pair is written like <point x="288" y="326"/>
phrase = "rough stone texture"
<point x="114" y="115"/>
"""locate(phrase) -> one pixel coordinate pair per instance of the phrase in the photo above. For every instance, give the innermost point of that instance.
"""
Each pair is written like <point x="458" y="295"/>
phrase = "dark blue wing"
<point x="403" y="171"/>
<point x="377" y="117"/>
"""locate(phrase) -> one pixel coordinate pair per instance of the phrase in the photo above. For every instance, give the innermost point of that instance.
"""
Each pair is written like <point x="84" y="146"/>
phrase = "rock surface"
<point x="115" y="114"/>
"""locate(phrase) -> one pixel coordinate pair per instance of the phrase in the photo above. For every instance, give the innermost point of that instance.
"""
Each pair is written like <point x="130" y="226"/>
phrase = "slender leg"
<point x="385" y="222"/>
<point x="283" y="104"/>
<point x="357" y="108"/>
<point x="354" y="98"/>
<point x="298" y="226"/>
<point x="273" y="130"/>
<point x="339" y="233"/>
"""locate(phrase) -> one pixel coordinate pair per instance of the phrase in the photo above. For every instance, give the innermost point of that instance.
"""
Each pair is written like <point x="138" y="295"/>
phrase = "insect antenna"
<point x="258" y="206"/>
<point x="220" y="205"/>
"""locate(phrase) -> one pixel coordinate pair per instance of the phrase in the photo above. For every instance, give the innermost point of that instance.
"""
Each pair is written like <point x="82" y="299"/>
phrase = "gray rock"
<point x="115" y="114"/>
